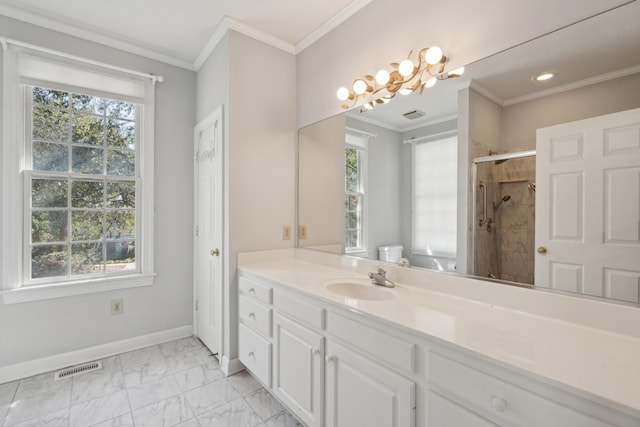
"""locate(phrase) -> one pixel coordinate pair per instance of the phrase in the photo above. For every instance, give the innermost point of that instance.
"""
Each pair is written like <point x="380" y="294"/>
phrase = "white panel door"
<point x="588" y="206"/>
<point x="363" y="393"/>
<point x="298" y="369"/>
<point x="208" y="255"/>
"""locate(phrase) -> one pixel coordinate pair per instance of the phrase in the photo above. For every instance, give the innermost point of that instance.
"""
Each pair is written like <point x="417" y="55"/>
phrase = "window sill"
<point x="67" y="289"/>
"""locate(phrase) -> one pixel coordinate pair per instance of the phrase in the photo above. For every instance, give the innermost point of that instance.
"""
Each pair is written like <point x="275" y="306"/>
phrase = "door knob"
<point x="542" y="250"/>
<point x="215" y="252"/>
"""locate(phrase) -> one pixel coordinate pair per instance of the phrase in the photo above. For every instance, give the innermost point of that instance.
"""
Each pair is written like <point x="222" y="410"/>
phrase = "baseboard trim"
<point x="231" y="366"/>
<point x="58" y="361"/>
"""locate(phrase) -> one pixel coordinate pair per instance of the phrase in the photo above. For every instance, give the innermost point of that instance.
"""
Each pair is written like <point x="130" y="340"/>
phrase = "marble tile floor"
<point x="178" y="383"/>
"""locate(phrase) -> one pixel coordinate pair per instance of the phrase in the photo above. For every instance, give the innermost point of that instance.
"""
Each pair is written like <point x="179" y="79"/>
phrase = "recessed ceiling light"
<point x="544" y="76"/>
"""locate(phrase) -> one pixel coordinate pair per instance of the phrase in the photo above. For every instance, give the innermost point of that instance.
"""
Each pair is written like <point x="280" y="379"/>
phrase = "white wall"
<point x="39" y="329"/>
<point x="256" y="84"/>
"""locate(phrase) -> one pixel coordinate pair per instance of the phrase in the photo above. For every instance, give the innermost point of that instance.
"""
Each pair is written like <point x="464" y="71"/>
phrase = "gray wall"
<point x="255" y="83"/>
<point x="39" y="329"/>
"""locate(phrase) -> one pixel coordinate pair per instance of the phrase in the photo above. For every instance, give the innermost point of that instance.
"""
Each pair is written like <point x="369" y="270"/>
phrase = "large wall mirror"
<point x="451" y="180"/>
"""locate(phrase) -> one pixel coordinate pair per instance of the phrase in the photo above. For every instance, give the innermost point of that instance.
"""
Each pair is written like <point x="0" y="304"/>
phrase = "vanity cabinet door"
<point x="298" y="369"/>
<point x="445" y="413"/>
<point x="363" y="393"/>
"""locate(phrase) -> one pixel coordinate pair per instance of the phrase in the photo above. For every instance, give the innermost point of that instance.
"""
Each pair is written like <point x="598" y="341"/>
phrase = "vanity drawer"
<point x="501" y="399"/>
<point x="257" y="290"/>
<point x="255" y="354"/>
<point x="386" y="348"/>
<point x="255" y="315"/>
<point x="300" y="310"/>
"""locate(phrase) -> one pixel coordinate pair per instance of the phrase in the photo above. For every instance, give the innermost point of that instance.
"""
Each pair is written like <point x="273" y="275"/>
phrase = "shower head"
<point x="505" y="198"/>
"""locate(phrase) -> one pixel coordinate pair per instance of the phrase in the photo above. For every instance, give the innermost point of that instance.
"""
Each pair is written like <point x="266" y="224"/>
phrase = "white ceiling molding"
<point x="575" y="85"/>
<point x="332" y="23"/>
<point x="71" y="30"/>
<point x="483" y="91"/>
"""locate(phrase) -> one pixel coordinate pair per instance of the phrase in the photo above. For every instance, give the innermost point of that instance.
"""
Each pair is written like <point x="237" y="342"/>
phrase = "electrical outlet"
<point x="286" y="232"/>
<point x="302" y="232"/>
<point x="117" y="306"/>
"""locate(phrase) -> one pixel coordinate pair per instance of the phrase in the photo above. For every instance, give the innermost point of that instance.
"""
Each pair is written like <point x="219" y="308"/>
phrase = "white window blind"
<point x="435" y="197"/>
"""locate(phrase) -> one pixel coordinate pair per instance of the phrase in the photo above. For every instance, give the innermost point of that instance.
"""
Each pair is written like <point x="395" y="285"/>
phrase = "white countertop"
<point x="600" y="361"/>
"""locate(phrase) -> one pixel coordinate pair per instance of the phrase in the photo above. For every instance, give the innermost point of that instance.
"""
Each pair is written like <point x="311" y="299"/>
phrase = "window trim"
<point x="12" y="225"/>
<point x="360" y="142"/>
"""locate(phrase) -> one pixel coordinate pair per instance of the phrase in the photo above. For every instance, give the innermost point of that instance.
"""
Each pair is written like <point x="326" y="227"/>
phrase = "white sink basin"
<point x="360" y="289"/>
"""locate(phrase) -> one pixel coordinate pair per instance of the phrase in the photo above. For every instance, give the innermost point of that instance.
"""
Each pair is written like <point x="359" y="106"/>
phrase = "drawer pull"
<point x="330" y="359"/>
<point x="316" y="351"/>
<point x="252" y="314"/>
<point x="251" y="354"/>
<point x="498" y="404"/>
<point x="252" y="290"/>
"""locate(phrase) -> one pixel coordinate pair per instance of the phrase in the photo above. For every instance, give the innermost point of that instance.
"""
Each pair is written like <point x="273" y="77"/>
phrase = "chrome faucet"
<point x="380" y="278"/>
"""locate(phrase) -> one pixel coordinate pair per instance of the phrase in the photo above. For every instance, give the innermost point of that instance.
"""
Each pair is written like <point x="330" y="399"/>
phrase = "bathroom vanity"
<point x="435" y="350"/>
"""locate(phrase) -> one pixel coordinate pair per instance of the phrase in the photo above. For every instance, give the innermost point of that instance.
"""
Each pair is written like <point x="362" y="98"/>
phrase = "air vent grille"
<point x="415" y="114"/>
<point x="77" y="370"/>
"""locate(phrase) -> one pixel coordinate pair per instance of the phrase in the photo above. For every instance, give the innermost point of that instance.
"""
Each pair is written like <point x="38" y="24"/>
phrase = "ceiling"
<point x="601" y="47"/>
<point x="183" y="32"/>
<point x="177" y="31"/>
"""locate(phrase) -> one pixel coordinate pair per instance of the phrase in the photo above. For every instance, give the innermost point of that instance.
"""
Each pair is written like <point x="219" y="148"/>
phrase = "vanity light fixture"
<point x="405" y="77"/>
<point x="544" y="76"/>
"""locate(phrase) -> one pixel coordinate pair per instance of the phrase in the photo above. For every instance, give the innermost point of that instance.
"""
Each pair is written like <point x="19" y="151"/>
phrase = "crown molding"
<point x="331" y="24"/>
<point x="71" y="30"/>
<point x="486" y="92"/>
<point x="575" y="85"/>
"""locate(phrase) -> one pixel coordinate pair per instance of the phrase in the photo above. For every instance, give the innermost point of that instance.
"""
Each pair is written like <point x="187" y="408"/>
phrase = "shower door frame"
<point x="471" y="264"/>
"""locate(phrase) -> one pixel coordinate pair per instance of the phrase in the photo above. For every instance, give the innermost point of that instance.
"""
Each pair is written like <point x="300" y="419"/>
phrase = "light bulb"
<point x="359" y="87"/>
<point x="369" y="105"/>
<point x="433" y="55"/>
<point x="382" y="77"/>
<point x="406" y="68"/>
<point x="430" y="82"/>
<point x="405" y="91"/>
<point x="543" y="77"/>
<point x="343" y="94"/>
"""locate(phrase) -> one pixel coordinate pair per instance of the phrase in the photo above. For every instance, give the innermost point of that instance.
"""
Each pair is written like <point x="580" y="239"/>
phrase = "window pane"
<point x="351" y="170"/>
<point x="87" y="129"/>
<point x="121" y="163"/>
<point x="87" y="194"/>
<point x="88" y="104"/>
<point x="50" y="124"/>
<point x="86" y="258"/>
<point x="87" y="160"/>
<point x="121" y="253"/>
<point x="50" y="97"/>
<point x="50" y="157"/>
<point x="121" y="109"/>
<point x="49" y="193"/>
<point x="86" y="225"/>
<point x="49" y="226"/>
<point x="49" y="261"/>
<point x="121" y="134"/>
<point x="121" y="194"/>
<point x="121" y="224"/>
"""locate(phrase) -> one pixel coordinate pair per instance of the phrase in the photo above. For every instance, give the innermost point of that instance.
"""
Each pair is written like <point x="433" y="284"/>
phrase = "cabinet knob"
<point x="252" y="314"/>
<point x="252" y="291"/>
<point x="498" y="403"/>
<point x="329" y="359"/>
<point x="251" y="354"/>
<point x="542" y="250"/>
<point x="316" y="351"/>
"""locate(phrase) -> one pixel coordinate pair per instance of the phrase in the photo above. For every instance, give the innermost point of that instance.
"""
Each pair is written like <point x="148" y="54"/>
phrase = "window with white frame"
<point x="435" y="197"/>
<point x="81" y="165"/>
<point x="355" y="183"/>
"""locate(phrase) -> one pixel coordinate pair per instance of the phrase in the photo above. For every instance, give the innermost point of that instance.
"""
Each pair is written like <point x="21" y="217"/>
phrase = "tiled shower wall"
<point x="504" y="245"/>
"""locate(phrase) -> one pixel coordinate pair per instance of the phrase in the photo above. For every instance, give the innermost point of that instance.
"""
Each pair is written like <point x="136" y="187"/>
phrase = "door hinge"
<point x="196" y="305"/>
<point x="196" y="231"/>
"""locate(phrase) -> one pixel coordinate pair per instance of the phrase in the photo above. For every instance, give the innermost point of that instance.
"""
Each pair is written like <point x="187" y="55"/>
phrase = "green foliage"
<point x="72" y="220"/>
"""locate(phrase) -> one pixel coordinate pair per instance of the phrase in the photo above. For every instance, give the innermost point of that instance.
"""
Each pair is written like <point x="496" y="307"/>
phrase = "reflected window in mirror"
<point x="355" y="191"/>
<point x="435" y="197"/>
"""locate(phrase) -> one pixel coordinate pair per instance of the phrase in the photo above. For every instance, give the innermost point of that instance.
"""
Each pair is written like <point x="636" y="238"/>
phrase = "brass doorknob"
<point x="215" y="252"/>
<point x="542" y="250"/>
